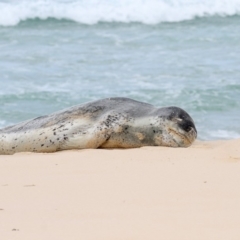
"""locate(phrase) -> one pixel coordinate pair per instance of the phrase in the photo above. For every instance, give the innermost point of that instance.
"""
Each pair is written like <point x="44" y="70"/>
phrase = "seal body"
<point x="106" y="123"/>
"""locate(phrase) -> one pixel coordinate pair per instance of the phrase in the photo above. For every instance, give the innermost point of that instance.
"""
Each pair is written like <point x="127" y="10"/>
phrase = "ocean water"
<point x="185" y="53"/>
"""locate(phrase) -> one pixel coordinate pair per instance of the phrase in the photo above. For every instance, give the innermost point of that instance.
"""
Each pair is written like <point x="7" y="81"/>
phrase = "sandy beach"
<point x="147" y="193"/>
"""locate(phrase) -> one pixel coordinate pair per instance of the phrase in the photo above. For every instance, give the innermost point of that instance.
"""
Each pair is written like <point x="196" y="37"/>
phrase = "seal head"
<point x="179" y="128"/>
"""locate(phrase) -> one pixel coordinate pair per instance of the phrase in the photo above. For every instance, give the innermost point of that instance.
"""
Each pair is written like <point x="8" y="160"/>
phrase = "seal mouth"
<point x="184" y="138"/>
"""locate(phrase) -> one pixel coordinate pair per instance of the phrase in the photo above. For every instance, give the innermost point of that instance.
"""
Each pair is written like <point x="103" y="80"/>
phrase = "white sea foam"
<point x="94" y="11"/>
<point x="223" y="134"/>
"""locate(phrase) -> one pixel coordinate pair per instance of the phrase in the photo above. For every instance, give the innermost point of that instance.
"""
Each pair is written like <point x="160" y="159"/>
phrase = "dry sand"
<point x="149" y="193"/>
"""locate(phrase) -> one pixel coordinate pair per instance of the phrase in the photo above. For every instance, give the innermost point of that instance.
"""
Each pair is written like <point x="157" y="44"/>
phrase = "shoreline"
<point x="144" y="193"/>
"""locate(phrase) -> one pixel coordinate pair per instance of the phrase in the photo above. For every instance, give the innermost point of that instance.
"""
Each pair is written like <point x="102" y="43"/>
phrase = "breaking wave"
<point x="125" y="11"/>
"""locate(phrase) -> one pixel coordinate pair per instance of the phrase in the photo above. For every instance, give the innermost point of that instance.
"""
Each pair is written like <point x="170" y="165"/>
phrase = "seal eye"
<point x="179" y="119"/>
<point x="176" y="120"/>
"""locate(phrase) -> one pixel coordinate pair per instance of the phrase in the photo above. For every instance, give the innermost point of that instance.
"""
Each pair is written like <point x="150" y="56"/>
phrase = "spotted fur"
<point x="107" y="123"/>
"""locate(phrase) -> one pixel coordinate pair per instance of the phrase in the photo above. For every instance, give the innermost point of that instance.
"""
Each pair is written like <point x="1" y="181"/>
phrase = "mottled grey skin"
<point x="107" y="123"/>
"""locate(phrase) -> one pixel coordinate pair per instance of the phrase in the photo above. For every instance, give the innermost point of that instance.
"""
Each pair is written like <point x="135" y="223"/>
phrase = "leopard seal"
<point x="106" y="123"/>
